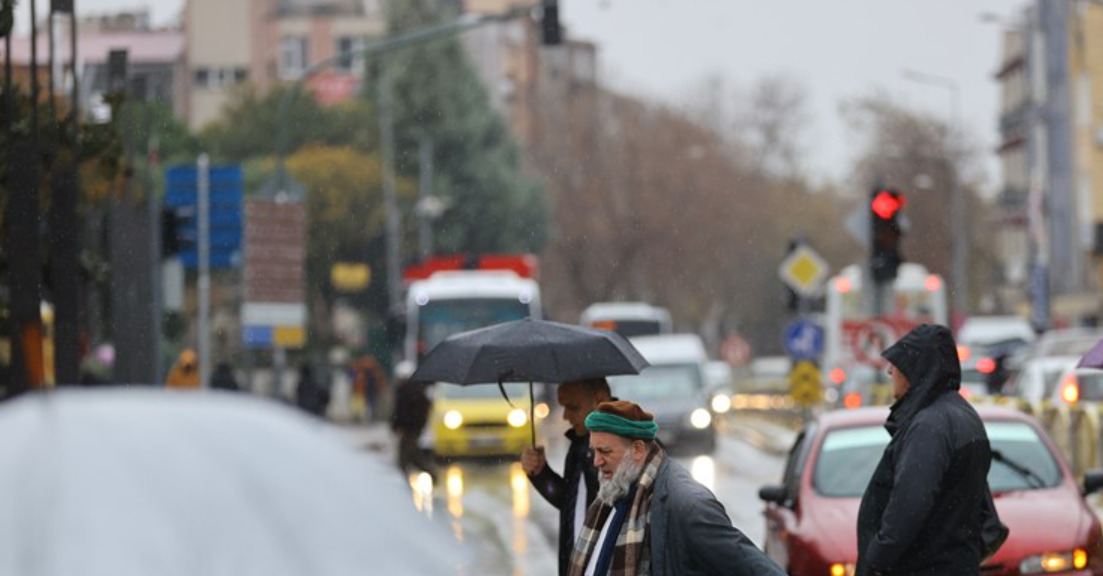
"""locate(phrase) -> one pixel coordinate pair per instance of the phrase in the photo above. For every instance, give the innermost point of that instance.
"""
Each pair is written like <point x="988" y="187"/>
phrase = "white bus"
<point x="854" y="337"/>
<point x="448" y="295"/>
<point x="628" y="319"/>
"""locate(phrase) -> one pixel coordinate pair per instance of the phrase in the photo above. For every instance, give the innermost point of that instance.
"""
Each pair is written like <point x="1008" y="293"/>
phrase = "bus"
<point x="854" y="337"/>
<point x="452" y="294"/>
<point x="629" y="319"/>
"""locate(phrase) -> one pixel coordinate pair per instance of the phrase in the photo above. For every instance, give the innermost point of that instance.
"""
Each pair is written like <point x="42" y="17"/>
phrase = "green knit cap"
<point x="623" y="419"/>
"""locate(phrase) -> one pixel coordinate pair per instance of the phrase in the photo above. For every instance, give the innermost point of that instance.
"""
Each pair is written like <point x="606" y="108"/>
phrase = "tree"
<point x="251" y="124"/>
<point x="344" y="216"/>
<point x="437" y="95"/>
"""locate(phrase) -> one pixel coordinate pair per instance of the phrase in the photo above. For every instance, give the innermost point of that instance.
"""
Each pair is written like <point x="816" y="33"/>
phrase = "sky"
<point x="836" y="49"/>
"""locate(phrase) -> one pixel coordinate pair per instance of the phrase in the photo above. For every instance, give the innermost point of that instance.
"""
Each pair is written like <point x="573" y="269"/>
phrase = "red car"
<point x="811" y="518"/>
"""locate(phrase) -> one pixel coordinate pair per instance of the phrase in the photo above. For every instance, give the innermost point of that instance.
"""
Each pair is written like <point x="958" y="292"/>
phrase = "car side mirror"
<point x="773" y="493"/>
<point x="1093" y="481"/>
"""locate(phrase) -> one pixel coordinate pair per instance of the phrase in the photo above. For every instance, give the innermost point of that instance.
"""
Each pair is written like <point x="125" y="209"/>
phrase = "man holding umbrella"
<point x="574" y="491"/>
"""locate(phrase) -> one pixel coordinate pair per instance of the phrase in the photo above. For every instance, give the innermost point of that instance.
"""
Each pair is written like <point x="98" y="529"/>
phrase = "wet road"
<point x="511" y="531"/>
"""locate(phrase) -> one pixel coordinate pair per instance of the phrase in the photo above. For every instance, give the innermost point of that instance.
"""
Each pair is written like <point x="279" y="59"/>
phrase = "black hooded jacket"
<point x="928" y="498"/>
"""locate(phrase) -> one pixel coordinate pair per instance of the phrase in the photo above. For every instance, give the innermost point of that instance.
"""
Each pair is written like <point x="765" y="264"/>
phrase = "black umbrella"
<point x="529" y="351"/>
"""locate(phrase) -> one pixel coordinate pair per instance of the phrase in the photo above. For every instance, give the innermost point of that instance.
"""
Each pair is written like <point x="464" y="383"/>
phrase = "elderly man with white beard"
<point x="650" y="516"/>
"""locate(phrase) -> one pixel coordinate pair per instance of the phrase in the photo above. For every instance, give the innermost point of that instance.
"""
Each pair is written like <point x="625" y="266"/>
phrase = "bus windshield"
<point x="439" y="319"/>
<point x="630" y="328"/>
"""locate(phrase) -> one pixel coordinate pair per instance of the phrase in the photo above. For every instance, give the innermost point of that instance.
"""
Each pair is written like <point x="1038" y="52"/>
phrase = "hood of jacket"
<point x="927" y="356"/>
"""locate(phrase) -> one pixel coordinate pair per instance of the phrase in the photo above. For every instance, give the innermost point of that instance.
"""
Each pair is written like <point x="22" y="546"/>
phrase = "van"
<point x="674" y="388"/>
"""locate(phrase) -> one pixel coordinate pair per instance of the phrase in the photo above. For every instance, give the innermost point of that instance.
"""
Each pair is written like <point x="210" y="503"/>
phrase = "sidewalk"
<point x="371" y="437"/>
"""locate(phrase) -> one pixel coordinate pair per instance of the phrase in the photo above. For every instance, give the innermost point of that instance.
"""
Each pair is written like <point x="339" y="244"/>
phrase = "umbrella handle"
<point x="532" y="415"/>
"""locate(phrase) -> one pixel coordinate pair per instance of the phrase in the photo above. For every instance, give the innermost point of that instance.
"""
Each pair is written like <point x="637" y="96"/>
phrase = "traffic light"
<point x="170" y="233"/>
<point x="549" y="21"/>
<point x="885" y="233"/>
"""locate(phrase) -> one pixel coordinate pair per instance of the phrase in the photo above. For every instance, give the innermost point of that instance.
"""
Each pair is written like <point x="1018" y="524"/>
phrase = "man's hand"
<point x="533" y="460"/>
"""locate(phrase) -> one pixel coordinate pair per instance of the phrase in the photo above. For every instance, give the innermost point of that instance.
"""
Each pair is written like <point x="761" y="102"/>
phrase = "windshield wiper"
<point x="1029" y="475"/>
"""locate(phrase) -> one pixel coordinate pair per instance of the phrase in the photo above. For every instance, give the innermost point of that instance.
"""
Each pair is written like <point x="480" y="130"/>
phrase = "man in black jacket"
<point x="572" y="492"/>
<point x="928" y="503"/>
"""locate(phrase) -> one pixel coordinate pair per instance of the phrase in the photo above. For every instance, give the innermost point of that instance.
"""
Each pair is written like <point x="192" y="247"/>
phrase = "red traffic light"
<point x="885" y="204"/>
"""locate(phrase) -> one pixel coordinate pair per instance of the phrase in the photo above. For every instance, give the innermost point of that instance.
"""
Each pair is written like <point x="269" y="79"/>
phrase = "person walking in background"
<point x="223" y="378"/>
<point x="928" y="508"/>
<point x="185" y="372"/>
<point x="572" y="492"/>
<point x="369" y="384"/>
<point x="310" y="394"/>
<point x="650" y="515"/>
<point x="411" y="414"/>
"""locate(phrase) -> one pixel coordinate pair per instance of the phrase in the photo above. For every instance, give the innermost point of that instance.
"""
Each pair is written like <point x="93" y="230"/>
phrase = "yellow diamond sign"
<point x="803" y="270"/>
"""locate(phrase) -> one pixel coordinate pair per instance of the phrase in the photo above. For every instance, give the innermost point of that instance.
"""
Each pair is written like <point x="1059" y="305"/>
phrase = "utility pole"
<point x="64" y="229"/>
<point x="958" y="207"/>
<point x="203" y="231"/>
<point x="22" y="229"/>
<point x="425" y="191"/>
<point x="393" y="225"/>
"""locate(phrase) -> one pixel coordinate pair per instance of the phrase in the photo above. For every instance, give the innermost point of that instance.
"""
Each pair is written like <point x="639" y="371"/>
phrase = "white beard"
<point x="616" y="487"/>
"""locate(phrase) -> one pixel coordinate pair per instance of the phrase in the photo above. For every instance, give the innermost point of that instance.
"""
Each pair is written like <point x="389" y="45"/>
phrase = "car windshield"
<point x="481" y="391"/>
<point x="659" y="382"/>
<point x="849" y="455"/>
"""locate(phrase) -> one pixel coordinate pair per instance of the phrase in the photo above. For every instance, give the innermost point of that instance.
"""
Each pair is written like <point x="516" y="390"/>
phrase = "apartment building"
<point x="265" y="42"/>
<point x="155" y="59"/>
<point x="1051" y="151"/>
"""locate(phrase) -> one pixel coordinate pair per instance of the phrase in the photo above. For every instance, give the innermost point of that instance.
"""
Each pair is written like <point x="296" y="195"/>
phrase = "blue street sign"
<point x="226" y="190"/>
<point x="804" y="340"/>
<point x="257" y="336"/>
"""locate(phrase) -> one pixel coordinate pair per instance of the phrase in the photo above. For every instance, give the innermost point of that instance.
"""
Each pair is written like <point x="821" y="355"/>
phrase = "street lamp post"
<point x="959" y="235"/>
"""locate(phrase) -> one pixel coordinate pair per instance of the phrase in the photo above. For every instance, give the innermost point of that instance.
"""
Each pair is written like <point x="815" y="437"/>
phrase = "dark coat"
<point x="691" y="533"/>
<point x="411" y="409"/>
<point x="928" y="499"/>
<point x="562" y="491"/>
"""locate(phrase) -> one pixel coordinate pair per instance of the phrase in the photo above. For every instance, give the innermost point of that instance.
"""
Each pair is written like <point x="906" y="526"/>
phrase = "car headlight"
<point x="517" y="418"/>
<point x="453" y="419"/>
<point x="721" y="403"/>
<point x="839" y="569"/>
<point x="1055" y="562"/>
<point x="700" y="418"/>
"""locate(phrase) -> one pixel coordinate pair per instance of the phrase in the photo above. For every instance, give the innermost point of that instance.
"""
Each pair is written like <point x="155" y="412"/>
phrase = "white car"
<point x="1039" y="378"/>
<point x="674" y="388"/>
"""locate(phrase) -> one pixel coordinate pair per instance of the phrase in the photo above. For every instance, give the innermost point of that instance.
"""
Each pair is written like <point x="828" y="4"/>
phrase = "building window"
<point x="293" y="57"/>
<point x="202" y="77"/>
<point x="350" y="64"/>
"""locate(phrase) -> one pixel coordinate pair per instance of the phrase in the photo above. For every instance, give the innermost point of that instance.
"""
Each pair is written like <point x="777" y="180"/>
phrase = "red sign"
<point x="331" y="88"/>
<point x="735" y="351"/>
<point x="867" y="339"/>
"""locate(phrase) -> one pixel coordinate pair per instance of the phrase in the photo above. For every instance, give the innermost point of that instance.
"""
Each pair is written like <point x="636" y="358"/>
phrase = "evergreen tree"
<point x="437" y="94"/>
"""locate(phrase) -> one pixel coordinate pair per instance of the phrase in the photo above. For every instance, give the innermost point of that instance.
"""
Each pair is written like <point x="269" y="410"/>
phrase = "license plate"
<point x="485" y="442"/>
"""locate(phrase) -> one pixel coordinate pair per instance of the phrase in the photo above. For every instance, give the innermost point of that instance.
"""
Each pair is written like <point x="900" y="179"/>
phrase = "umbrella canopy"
<point x="529" y="351"/>
<point x="1093" y="358"/>
<point x="131" y="482"/>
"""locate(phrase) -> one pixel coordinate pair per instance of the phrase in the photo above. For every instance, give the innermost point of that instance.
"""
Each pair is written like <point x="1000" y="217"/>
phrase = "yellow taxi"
<point x="476" y="421"/>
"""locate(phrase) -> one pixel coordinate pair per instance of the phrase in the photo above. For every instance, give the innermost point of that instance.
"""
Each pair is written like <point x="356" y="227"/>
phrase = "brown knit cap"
<point x="625" y="409"/>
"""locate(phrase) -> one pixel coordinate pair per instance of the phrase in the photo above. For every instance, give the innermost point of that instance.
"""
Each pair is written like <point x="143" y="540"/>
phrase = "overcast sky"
<point x="838" y="49"/>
